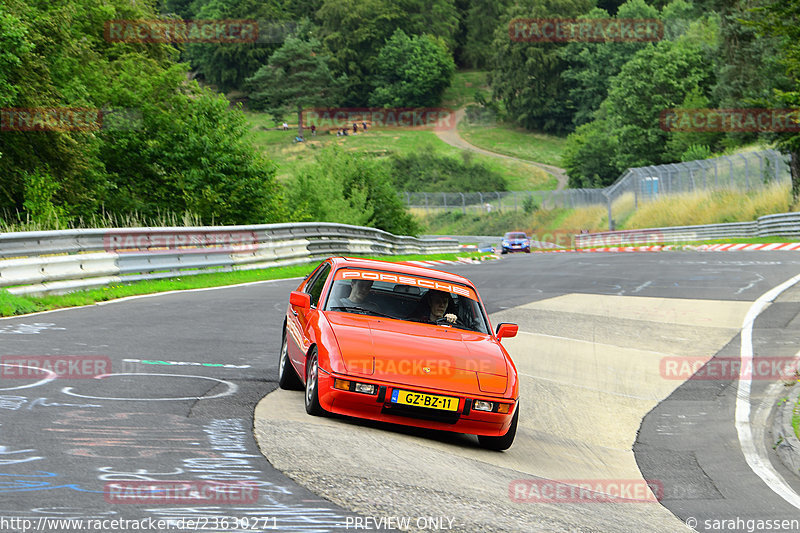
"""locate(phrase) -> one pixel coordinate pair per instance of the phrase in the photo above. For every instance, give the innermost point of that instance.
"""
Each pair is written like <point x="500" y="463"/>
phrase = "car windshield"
<point x="516" y="236"/>
<point x="408" y="301"/>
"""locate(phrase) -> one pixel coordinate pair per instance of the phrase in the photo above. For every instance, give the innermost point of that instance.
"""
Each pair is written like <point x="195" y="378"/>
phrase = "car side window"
<point x="314" y="286"/>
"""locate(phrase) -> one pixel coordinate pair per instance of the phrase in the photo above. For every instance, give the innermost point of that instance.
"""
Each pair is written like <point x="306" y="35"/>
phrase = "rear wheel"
<point x="312" y="385"/>
<point x="287" y="377"/>
<point x="503" y="442"/>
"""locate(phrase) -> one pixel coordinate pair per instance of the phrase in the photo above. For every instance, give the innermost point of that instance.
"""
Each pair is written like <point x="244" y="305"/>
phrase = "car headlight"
<point x="505" y="243"/>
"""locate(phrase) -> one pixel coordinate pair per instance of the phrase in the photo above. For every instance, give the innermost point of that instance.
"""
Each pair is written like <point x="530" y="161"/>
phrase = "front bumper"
<point x="379" y="407"/>
<point x="516" y="248"/>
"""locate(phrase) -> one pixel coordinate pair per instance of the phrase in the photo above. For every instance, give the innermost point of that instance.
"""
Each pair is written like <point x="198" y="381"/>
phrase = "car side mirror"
<point x="300" y="299"/>
<point x="507" y="329"/>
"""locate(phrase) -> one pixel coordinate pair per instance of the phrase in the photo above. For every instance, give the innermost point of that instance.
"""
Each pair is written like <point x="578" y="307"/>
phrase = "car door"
<point x="298" y="319"/>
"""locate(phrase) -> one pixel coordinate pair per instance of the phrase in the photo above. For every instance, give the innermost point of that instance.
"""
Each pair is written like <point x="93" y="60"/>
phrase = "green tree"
<point x="356" y="30"/>
<point x="589" y="155"/>
<point x="424" y="170"/>
<point x="481" y="19"/>
<point x="751" y="67"/>
<point x="349" y="189"/>
<point x="228" y="65"/>
<point x="182" y="149"/>
<point x="655" y="79"/>
<point x="680" y="143"/>
<point x="296" y="76"/>
<point x="527" y="77"/>
<point x="182" y="8"/>
<point x="412" y="72"/>
<point x="593" y="65"/>
<point x="188" y="154"/>
<point x="781" y="20"/>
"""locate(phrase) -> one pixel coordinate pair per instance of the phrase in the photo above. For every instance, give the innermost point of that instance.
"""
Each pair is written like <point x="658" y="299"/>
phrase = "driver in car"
<point x="434" y="306"/>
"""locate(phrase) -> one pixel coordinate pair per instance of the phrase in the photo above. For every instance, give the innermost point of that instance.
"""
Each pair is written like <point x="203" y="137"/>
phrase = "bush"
<point x="427" y="171"/>
<point x="349" y="189"/>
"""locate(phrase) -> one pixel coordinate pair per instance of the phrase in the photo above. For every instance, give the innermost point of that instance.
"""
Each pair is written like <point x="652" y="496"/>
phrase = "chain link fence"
<point x="743" y="172"/>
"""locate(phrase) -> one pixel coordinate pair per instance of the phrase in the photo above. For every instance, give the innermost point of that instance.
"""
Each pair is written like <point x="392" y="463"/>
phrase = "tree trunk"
<point x="299" y="120"/>
<point x="794" y="166"/>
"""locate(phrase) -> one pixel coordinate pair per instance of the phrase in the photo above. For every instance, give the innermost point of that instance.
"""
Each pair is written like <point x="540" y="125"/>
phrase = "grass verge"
<point x="289" y="156"/>
<point x="515" y="142"/>
<point x="463" y="87"/>
<point x="11" y="305"/>
<point x="796" y="418"/>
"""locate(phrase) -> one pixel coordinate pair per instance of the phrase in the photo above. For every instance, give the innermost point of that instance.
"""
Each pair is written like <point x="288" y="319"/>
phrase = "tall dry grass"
<point x="104" y="220"/>
<point x="711" y="207"/>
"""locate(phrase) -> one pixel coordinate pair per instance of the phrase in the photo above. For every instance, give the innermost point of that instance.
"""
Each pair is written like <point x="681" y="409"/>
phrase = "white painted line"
<point x="232" y="388"/>
<point x="756" y="456"/>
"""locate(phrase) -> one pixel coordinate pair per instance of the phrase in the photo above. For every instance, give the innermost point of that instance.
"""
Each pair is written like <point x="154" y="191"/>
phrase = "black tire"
<point x="504" y="442"/>
<point x="287" y="376"/>
<point x="312" y="385"/>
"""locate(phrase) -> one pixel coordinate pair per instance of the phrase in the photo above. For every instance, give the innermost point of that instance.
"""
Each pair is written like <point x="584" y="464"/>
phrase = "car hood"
<point x="423" y="355"/>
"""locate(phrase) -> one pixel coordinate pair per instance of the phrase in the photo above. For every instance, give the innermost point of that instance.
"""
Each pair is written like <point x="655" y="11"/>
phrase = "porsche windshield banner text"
<point x="406" y="280"/>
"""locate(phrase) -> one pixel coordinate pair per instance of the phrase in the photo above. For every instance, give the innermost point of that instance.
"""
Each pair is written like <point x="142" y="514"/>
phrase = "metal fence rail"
<point x="745" y="172"/>
<point x="781" y="225"/>
<point x="41" y="262"/>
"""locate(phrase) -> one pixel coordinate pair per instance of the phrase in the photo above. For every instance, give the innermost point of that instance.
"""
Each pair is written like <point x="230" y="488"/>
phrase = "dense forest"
<point x="174" y="137"/>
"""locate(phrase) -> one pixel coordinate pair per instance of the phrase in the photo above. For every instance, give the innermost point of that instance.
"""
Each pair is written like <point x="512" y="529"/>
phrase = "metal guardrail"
<point x="780" y="225"/>
<point x="52" y="262"/>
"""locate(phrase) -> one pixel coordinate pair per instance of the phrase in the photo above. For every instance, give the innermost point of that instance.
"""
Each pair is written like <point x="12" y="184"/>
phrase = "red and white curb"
<point x="740" y="247"/>
<point x="787" y="246"/>
<point x="458" y="261"/>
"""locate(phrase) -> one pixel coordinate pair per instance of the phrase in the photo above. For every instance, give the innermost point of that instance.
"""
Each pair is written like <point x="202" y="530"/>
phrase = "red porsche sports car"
<point x="402" y="344"/>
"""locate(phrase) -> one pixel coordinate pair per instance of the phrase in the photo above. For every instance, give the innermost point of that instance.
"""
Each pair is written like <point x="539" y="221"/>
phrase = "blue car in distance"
<point x="516" y="241"/>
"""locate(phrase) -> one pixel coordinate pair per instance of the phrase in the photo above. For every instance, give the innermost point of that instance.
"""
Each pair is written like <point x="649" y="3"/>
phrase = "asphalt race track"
<point x="163" y="390"/>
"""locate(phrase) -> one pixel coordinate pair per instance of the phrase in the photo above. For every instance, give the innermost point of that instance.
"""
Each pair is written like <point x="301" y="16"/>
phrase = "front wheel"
<point x="287" y="377"/>
<point x="503" y="442"/>
<point x="312" y="385"/>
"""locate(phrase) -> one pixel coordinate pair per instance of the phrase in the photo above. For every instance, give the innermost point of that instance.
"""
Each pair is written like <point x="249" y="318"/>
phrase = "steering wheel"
<point x="444" y="322"/>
